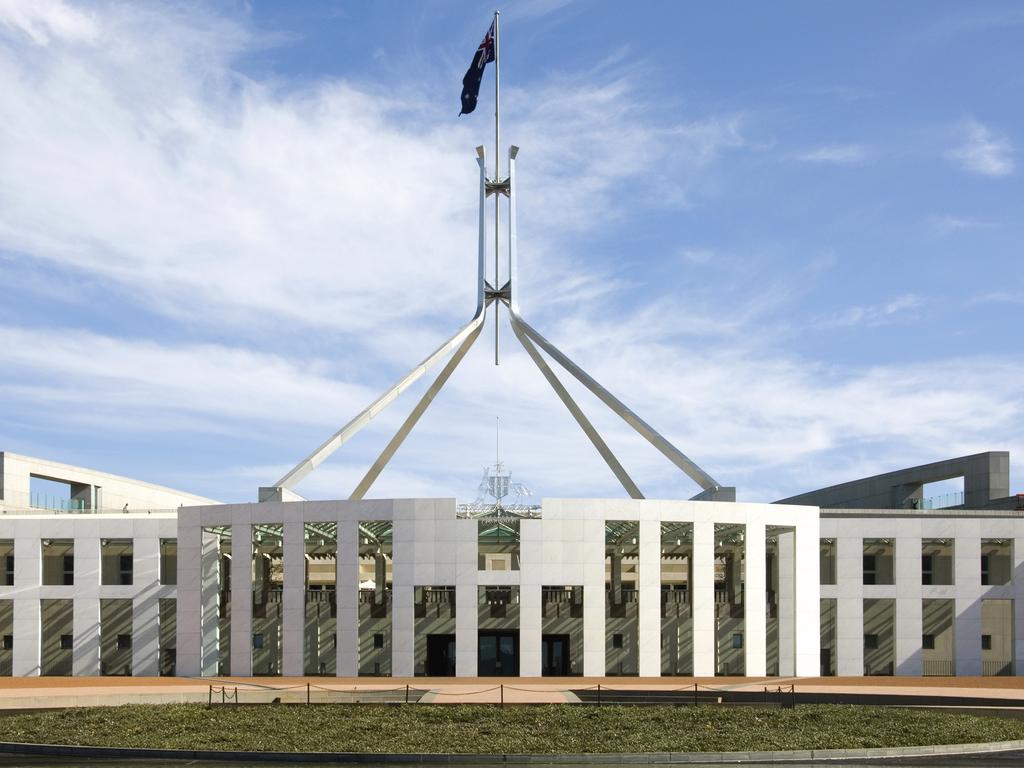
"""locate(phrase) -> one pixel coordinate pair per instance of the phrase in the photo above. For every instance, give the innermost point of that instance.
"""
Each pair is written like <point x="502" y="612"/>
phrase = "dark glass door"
<point x="441" y="655"/>
<point x="555" y="655"/>
<point x="498" y="654"/>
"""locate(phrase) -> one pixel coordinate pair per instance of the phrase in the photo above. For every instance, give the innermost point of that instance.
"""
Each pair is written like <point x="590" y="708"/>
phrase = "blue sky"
<point x="787" y="235"/>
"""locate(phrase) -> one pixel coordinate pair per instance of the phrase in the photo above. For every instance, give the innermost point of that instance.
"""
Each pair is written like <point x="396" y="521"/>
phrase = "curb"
<point x="880" y="754"/>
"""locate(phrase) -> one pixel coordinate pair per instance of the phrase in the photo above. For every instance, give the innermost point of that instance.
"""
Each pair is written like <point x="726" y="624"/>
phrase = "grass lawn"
<point x="512" y="729"/>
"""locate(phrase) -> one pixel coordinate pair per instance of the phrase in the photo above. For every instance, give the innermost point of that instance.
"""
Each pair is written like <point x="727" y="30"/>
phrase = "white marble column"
<point x="1018" y="606"/>
<point x="293" y="618"/>
<point x="755" y="601"/>
<point x="146" y="607"/>
<point x="241" y="600"/>
<point x="967" y="631"/>
<point x="907" y="636"/>
<point x="649" y="619"/>
<point x="466" y="623"/>
<point x="593" y="599"/>
<point x="703" y="596"/>
<point x="786" y="600"/>
<point x="807" y="595"/>
<point x="849" y="606"/>
<point x="530" y="621"/>
<point x="348" y="598"/>
<point x="86" y="611"/>
<point x="28" y="572"/>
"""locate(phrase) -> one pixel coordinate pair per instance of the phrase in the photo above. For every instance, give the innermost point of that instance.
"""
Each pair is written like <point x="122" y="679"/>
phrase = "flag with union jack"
<point x="475" y="73"/>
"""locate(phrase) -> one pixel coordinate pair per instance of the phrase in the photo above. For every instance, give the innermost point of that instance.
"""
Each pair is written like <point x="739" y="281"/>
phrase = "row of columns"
<point x="799" y="641"/>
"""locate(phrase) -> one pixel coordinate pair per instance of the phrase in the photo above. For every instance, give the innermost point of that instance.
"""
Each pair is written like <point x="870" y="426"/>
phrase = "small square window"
<point x="124" y="642"/>
<point x="737" y="640"/>
<point x="257" y="641"/>
<point x="870" y="642"/>
<point x="378" y="640"/>
<point x="986" y="642"/>
<point x="8" y="642"/>
<point x="67" y="642"/>
<point x="617" y="640"/>
<point x="928" y="642"/>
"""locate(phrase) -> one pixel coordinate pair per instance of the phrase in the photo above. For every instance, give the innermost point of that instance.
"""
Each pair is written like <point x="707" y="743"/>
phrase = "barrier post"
<point x="599" y="694"/>
<point x="502" y="694"/>
<point x="695" y="694"/>
<point x="209" y="701"/>
<point x="406" y="693"/>
<point x="307" y="694"/>
<point x="223" y="694"/>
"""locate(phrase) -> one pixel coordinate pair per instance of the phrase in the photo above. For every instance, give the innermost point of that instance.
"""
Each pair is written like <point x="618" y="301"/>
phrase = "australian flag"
<point x="471" y="82"/>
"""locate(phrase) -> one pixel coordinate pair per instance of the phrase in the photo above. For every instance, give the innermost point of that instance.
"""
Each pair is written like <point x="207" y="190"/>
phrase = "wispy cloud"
<point x="948" y="225"/>
<point x="874" y="314"/>
<point x="982" y="151"/>
<point x="46" y="20"/>
<point x="836" y="154"/>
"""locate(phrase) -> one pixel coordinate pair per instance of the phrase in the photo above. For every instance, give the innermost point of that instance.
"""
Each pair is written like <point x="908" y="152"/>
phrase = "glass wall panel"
<point x="676" y="613"/>
<point x="828" y="637"/>
<point x="57" y="636"/>
<point x="827" y="561"/>
<point x="375" y="605"/>
<point x="498" y="543"/>
<point x="217" y="546"/>
<point x="116" y="566"/>
<point x="561" y="630"/>
<point x="168" y="561"/>
<point x="936" y="561"/>
<point x="879" y="644"/>
<point x="6" y="563"/>
<point x="267" y="594"/>
<point x="116" y="637"/>
<point x="498" y="631"/>
<point x="937" y="628"/>
<point x="996" y="561"/>
<point x="320" y="646"/>
<point x="730" y="625"/>
<point x="6" y="637"/>
<point x="622" y="581"/>
<point x="878" y="565"/>
<point x="997" y="637"/>
<point x="168" y="636"/>
<point x="58" y="561"/>
<point x="434" y="630"/>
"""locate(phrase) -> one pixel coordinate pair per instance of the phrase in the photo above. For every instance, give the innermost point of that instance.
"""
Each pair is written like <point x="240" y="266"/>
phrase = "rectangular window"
<point x="926" y="569"/>
<point x="126" y="569"/>
<point x="737" y="640"/>
<point x="69" y="569"/>
<point x="378" y="640"/>
<point x="870" y="642"/>
<point x="257" y="641"/>
<point x="124" y="642"/>
<point x="617" y="640"/>
<point x="869" y="569"/>
<point x="8" y="642"/>
<point x="984" y="571"/>
<point x="9" y="570"/>
<point x="986" y="642"/>
<point x="928" y="642"/>
<point x="67" y="642"/>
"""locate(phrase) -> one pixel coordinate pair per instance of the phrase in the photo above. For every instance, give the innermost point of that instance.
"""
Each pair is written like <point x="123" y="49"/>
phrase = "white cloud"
<point x="872" y="315"/>
<point x="983" y="152"/>
<point x="697" y="255"/>
<point x="836" y="154"/>
<point x="46" y="20"/>
<point x="948" y="225"/>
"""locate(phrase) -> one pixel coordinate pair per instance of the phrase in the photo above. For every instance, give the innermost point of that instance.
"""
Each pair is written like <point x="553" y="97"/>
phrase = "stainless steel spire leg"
<point x="673" y="454"/>
<point x="581" y="419"/>
<point x="342" y="436"/>
<point x="407" y="426"/>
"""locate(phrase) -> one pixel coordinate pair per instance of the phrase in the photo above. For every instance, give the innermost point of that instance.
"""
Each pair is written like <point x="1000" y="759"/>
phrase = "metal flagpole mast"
<point x="497" y="173"/>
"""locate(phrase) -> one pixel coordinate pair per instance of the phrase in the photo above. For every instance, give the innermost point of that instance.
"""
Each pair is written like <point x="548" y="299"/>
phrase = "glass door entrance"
<point x="441" y="655"/>
<point x="498" y="654"/>
<point x="554" y="655"/>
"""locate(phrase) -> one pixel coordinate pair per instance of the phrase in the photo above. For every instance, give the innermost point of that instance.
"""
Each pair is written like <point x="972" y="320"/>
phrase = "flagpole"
<point x="497" y="173"/>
